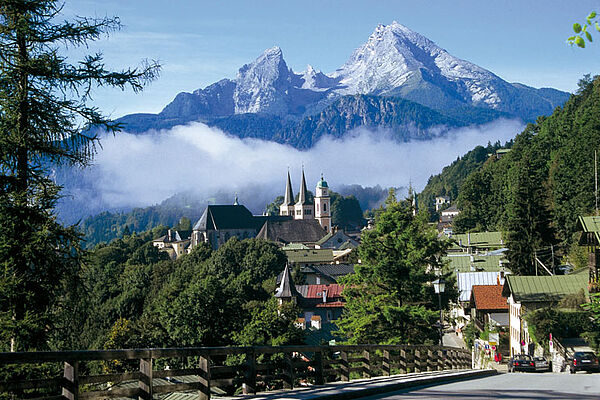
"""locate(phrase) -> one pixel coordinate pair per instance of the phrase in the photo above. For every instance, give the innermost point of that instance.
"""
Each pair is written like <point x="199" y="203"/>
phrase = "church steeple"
<point x="303" y="195"/>
<point x="303" y="209"/>
<point x="286" y="290"/>
<point x="322" y="206"/>
<point x="288" y="199"/>
<point x="287" y="207"/>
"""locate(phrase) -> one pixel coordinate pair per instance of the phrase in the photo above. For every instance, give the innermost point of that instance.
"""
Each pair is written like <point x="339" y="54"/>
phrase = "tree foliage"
<point x="581" y="30"/>
<point x="44" y="120"/>
<point x="190" y="301"/>
<point x="536" y="192"/>
<point x="388" y="299"/>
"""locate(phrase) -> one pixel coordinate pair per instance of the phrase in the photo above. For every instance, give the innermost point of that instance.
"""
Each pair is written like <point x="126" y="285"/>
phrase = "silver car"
<point x="541" y="364"/>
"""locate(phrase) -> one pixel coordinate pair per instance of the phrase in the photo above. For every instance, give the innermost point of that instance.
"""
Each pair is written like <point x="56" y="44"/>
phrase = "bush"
<point x="561" y="323"/>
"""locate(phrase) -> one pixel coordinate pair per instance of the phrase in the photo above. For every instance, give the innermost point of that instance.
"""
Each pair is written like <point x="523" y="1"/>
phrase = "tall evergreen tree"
<point x="529" y="220"/>
<point x="45" y="119"/>
<point x="388" y="299"/>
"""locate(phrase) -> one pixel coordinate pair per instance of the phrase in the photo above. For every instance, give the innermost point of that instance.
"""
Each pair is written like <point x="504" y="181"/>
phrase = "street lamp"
<point x="439" y="285"/>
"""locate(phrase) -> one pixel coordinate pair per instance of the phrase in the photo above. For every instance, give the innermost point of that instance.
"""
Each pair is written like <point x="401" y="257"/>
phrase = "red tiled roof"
<point x="333" y="304"/>
<point x="316" y="291"/>
<point x="488" y="297"/>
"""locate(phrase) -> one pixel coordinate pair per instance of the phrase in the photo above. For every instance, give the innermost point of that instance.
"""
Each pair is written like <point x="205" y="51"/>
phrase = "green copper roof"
<point x="467" y="263"/>
<point x="322" y="183"/>
<point x="544" y="288"/>
<point x="489" y="240"/>
<point x="310" y="256"/>
<point x="590" y="228"/>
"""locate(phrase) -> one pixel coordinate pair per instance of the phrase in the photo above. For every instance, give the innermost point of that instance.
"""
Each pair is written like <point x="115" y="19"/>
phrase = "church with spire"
<point x="304" y="208"/>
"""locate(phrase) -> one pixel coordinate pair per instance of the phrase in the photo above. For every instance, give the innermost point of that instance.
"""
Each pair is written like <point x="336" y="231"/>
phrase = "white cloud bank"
<point x="138" y="170"/>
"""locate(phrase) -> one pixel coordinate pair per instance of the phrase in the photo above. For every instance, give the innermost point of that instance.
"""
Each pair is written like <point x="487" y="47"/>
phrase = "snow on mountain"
<point x="394" y="52"/>
<point x="394" y="62"/>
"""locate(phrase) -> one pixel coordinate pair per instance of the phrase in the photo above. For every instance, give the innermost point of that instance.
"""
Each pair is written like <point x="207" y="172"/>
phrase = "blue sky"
<point x="200" y="42"/>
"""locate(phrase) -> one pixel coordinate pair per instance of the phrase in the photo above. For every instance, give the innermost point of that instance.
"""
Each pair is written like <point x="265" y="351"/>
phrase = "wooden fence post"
<point x="402" y="361"/>
<point x="366" y="364"/>
<point x="453" y="359"/>
<point x="249" y="385"/>
<point x="385" y="365"/>
<point x="430" y="362"/>
<point x="204" y="366"/>
<point x="70" y="389"/>
<point x="318" y="366"/>
<point x="345" y="366"/>
<point x="289" y="360"/>
<point x="417" y="359"/>
<point x="145" y="381"/>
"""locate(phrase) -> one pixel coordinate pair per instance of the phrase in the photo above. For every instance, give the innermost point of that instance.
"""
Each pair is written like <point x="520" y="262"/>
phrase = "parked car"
<point x="583" y="361"/>
<point x="521" y="362"/>
<point x="541" y="364"/>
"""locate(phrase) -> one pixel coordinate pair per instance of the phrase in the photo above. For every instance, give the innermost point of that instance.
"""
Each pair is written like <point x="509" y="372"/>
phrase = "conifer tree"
<point x="45" y="119"/>
<point x="388" y="299"/>
<point x="529" y="220"/>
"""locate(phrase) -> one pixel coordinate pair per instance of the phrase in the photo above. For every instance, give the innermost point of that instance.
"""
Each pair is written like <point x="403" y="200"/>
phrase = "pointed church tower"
<point x="286" y="292"/>
<point x="322" y="205"/>
<point x="287" y="207"/>
<point x="304" y="209"/>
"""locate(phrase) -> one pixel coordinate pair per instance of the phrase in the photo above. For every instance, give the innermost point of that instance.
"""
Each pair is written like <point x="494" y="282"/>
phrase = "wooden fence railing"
<point x="144" y="373"/>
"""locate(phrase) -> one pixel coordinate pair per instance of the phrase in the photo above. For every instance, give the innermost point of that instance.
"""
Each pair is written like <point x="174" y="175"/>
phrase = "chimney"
<point x="315" y="321"/>
<point x="324" y="295"/>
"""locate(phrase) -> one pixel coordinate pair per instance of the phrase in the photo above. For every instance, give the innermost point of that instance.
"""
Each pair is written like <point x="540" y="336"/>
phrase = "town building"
<point x="488" y="306"/>
<point x="319" y="304"/>
<point x="589" y="227"/>
<point x="304" y="209"/>
<point x="478" y="242"/>
<point x="336" y="239"/>
<point x="174" y="243"/>
<point x="440" y="202"/>
<point x="528" y="293"/>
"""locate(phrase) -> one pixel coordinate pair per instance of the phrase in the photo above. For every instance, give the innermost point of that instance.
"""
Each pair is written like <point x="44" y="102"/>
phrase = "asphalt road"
<point x="526" y="386"/>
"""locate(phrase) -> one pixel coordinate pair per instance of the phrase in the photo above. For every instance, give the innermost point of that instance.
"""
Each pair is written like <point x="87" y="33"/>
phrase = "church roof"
<point x="303" y="195"/>
<point x="291" y="231"/>
<point x="286" y="286"/>
<point x="225" y="217"/>
<point x="322" y="183"/>
<point x="288" y="199"/>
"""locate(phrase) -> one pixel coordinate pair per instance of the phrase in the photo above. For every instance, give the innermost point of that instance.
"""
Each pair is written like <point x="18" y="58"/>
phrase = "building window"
<point x="307" y="211"/>
<point x="324" y="207"/>
<point x="298" y="212"/>
<point x="329" y="316"/>
<point x="317" y="207"/>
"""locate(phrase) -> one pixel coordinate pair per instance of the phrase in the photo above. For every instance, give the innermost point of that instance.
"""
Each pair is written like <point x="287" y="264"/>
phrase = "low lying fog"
<point x="140" y="170"/>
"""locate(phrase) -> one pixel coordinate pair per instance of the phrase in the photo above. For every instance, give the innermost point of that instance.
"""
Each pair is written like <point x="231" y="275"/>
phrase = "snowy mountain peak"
<point x="262" y="85"/>
<point x="394" y="61"/>
<point x="395" y="54"/>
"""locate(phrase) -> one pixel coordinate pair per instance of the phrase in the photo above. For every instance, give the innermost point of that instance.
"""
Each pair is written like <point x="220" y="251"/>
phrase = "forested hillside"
<point x="449" y="181"/>
<point x="536" y="192"/>
<point x="132" y="295"/>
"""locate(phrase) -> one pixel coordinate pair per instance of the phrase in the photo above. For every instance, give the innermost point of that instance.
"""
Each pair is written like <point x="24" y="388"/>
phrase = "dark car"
<point x="583" y="361"/>
<point x="521" y="362"/>
<point x="541" y="364"/>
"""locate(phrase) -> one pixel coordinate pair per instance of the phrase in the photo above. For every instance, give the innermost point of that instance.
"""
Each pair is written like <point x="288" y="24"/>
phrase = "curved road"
<point x="526" y="386"/>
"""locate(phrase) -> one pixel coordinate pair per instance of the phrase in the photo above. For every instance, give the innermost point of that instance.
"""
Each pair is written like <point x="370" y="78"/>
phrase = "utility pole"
<point x="552" y="248"/>
<point x="596" y="180"/>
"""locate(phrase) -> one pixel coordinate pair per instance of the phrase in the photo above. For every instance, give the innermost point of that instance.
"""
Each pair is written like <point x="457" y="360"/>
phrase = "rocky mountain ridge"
<point x="395" y="64"/>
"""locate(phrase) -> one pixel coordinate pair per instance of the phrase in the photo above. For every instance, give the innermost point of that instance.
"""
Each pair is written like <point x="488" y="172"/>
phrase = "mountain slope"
<point x="395" y="62"/>
<point x="557" y="153"/>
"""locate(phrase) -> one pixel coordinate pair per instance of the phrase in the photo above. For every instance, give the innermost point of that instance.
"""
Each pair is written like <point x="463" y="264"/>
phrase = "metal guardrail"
<point x="256" y="368"/>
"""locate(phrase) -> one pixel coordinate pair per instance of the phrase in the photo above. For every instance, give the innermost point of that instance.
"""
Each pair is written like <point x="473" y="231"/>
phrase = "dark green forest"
<point x="131" y="296"/>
